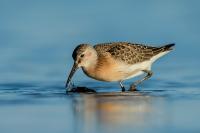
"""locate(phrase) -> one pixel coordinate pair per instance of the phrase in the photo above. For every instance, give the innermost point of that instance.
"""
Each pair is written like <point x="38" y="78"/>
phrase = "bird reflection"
<point x="93" y="111"/>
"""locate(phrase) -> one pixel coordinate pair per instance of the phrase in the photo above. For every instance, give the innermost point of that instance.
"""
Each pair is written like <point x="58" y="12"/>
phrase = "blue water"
<point x="36" y="42"/>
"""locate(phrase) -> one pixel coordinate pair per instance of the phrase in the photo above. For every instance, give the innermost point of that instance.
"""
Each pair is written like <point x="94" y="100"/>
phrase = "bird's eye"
<point x="82" y="55"/>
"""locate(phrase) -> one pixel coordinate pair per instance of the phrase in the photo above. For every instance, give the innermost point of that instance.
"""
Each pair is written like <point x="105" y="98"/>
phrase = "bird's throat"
<point x="89" y="70"/>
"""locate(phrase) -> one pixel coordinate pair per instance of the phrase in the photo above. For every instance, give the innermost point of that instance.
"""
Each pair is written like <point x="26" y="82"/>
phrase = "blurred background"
<point x="37" y="38"/>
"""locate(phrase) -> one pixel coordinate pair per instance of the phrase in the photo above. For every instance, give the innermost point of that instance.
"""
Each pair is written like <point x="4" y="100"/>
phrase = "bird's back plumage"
<point x="131" y="53"/>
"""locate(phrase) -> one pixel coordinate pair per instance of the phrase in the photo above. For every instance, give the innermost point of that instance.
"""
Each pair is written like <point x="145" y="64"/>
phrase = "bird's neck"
<point x="89" y="69"/>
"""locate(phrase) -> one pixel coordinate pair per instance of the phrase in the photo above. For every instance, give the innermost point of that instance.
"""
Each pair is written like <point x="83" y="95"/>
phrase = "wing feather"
<point x="129" y="53"/>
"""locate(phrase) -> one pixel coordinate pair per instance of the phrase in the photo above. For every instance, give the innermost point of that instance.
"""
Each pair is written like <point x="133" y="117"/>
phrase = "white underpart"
<point x="154" y="58"/>
<point x="146" y="65"/>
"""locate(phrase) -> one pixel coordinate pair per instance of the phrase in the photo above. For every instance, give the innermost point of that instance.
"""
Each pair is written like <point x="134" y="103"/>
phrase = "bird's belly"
<point x="123" y="72"/>
<point x="134" y="74"/>
<point x="115" y="71"/>
<point x="110" y="74"/>
<point x="105" y="75"/>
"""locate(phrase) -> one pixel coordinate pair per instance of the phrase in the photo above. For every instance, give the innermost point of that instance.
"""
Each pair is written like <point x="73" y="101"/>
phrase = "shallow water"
<point x="157" y="107"/>
<point x="36" y="42"/>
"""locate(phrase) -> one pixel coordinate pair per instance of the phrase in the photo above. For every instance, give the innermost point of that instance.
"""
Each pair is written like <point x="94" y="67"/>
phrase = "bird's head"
<point x="84" y="55"/>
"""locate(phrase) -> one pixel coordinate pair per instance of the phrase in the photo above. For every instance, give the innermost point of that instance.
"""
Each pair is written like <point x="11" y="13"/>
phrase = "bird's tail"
<point x="163" y="49"/>
<point x="160" y="51"/>
<point x="168" y="47"/>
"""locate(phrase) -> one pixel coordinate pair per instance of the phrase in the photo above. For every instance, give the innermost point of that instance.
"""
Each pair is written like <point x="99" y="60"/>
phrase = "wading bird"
<point x="116" y="61"/>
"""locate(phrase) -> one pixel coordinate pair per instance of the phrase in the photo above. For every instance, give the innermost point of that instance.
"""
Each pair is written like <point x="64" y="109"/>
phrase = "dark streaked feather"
<point x="129" y="52"/>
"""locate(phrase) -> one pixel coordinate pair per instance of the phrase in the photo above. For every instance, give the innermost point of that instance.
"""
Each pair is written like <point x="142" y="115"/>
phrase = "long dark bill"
<point x="73" y="70"/>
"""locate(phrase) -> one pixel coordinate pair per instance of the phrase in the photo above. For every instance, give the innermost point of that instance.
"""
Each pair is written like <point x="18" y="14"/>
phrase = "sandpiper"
<point x="116" y="61"/>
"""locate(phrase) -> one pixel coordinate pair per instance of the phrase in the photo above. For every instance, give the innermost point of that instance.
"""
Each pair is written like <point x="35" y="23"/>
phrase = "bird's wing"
<point x="103" y="47"/>
<point x="132" y="53"/>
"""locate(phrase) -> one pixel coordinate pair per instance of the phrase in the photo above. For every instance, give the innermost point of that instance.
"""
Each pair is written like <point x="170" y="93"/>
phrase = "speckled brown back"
<point x="129" y="52"/>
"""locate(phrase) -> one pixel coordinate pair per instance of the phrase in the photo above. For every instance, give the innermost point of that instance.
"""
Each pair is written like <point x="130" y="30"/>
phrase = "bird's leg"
<point x="133" y="86"/>
<point x="122" y="86"/>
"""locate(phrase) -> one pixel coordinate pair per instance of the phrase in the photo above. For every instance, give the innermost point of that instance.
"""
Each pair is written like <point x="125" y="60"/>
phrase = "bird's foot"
<point x="81" y="90"/>
<point x="133" y="88"/>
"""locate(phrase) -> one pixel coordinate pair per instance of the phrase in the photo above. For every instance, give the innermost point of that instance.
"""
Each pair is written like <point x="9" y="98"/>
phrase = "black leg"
<point x="133" y="86"/>
<point x="122" y="86"/>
